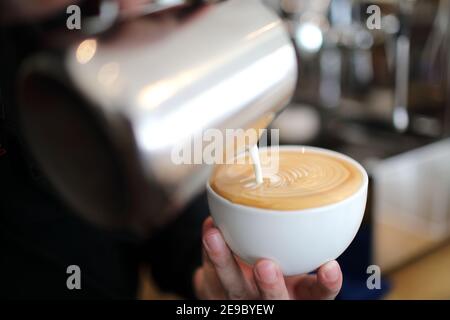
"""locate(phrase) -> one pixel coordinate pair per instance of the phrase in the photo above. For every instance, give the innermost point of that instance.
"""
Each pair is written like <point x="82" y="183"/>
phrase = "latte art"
<point x="304" y="180"/>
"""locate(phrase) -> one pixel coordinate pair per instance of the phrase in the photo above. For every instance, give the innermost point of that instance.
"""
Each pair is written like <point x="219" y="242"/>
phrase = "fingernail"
<point x="266" y="272"/>
<point x="331" y="271"/>
<point x="213" y="242"/>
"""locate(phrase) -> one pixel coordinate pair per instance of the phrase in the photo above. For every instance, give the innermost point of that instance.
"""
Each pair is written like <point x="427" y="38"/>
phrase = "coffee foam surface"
<point x="305" y="179"/>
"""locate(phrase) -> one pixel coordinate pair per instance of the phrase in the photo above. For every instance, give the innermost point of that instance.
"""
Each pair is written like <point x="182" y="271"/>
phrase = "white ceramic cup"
<point x="300" y="241"/>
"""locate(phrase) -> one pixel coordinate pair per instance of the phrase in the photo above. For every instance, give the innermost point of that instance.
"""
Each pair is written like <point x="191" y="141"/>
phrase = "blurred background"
<point x="374" y="84"/>
<point x="382" y="96"/>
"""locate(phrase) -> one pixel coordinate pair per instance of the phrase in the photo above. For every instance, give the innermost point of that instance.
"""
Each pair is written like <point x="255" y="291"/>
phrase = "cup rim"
<point x="361" y="189"/>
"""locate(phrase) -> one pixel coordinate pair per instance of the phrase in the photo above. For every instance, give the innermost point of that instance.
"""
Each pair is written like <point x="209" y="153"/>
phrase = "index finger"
<point x="224" y="263"/>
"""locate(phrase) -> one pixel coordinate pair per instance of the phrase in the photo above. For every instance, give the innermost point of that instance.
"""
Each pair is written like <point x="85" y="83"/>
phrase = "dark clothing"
<point x="40" y="237"/>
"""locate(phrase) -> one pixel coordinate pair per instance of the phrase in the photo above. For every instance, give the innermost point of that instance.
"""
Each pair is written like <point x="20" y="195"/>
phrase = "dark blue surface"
<point x="354" y="262"/>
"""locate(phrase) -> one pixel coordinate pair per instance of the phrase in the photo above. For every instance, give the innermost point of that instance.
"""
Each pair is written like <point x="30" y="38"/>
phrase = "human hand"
<point x="224" y="276"/>
<point x="17" y="11"/>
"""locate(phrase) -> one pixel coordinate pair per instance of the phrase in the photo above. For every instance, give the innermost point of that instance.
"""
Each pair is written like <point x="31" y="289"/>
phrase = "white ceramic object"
<point x="298" y="240"/>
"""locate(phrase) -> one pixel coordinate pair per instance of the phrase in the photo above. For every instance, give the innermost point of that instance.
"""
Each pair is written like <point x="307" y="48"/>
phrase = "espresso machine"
<point x="103" y="112"/>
